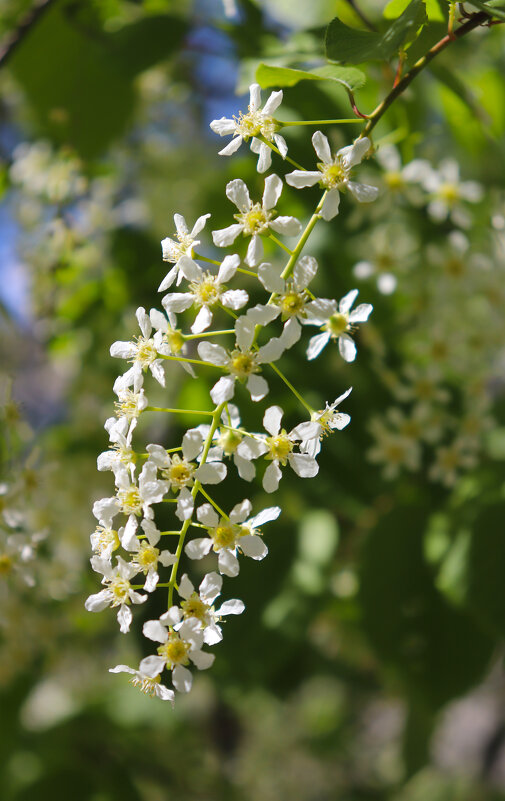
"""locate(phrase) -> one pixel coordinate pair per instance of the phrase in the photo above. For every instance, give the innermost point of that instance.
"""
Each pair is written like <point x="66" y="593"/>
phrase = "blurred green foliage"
<point x="381" y="602"/>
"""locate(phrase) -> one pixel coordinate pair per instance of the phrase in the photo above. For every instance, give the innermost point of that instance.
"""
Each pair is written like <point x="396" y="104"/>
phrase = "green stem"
<point x="205" y="258"/>
<point x="288" y="269"/>
<point x="182" y="359"/>
<point x="247" y="272"/>
<point x="276" y="150"/>
<point x="176" y="411"/>
<point x="280" y="244"/>
<point x="213" y="503"/>
<point x="474" y="22"/>
<point x="318" y="122"/>
<point x="197" y="487"/>
<point x="209" y="334"/>
<point x="291" y="387"/>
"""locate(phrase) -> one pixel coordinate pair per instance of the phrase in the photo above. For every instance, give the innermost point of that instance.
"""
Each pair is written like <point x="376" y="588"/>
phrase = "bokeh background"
<point x="369" y="663"/>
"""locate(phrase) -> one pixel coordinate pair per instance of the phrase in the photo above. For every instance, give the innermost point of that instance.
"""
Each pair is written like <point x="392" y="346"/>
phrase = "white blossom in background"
<point x="338" y="323"/>
<point x="447" y="192"/>
<point x="174" y="249"/>
<point x="206" y="290"/>
<point x="334" y="174"/>
<point x="255" y="219"/>
<point x="258" y="121"/>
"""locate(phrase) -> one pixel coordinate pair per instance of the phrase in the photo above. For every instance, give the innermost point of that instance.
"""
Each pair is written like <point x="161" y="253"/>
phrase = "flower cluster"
<point x="128" y="546"/>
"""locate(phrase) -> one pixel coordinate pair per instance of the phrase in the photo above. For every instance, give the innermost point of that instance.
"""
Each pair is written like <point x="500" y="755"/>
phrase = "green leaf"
<point x="495" y="8"/>
<point x="352" y="46"/>
<point x="394" y="8"/>
<point x="486" y="568"/>
<point x="453" y="82"/>
<point x="437" y="650"/>
<point x="349" y="77"/>
<point x="79" y="81"/>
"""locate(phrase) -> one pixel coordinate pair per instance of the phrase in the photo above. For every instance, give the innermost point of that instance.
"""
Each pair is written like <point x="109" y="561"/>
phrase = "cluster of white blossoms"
<point x="133" y="555"/>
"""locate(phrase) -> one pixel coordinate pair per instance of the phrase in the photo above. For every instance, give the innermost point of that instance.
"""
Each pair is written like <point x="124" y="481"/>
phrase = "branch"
<point x="476" y="19"/>
<point x="14" y="39"/>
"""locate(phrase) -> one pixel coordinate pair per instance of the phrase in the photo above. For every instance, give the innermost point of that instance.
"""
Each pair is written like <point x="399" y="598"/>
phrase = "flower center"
<point x="207" y="291"/>
<point x="224" y="536"/>
<point x="146" y="352"/>
<point x="333" y="175"/>
<point x="243" y="363"/>
<point x="279" y="447"/>
<point x="195" y="607"/>
<point x="128" y="405"/>
<point x="229" y="441"/>
<point x="248" y="124"/>
<point x="147" y="556"/>
<point x="120" y="589"/>
<point x="292" y="303"/>
<point x="174" y="339"/>
<point x="105" y="539"/>
<point x="254" y="221"/>
<point x="5" y="564"/>
<point x="146" y="684"/>
<point x="337" y="324"/>
<point x="180" y="472"/>
<point x="394" y="181"/>
<point x="130" y="501"/>
<point x="125" y="455"/>
<point x="449" y="193"/>
<point x="175" y="650"/>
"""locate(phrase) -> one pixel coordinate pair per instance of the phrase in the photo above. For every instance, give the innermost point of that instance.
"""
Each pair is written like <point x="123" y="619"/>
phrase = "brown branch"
<point x="474" y="22"/>
<point x="14" y="39"/>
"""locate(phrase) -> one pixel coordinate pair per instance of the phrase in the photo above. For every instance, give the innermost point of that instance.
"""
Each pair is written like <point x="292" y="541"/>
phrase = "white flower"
<point x="291" y="295"/>
<point x="334" y="173"/>
<point x="337" y="323"/>
<point x="181" y="473"/>
<point x="169" y="340"/>
<point x="280" y="448"/>
<point x="150" y="685"/>
<point x="255" y="219"/>
<point x="118" y="592"/>
<point x="242" y="363"/>
<point x="130" y="404"/>
<point x="227" y="535"/>
<point x="104" y="541"/>
<point x="257" y="121"/>
<point x="199" y="605"/>
<point x="329" y="419"/>
<point x="396" y="177"/>
<point x="176" y="651"/>
<point x="132" y="500"/>
<point x="147" y="555"/>
<point x="142" y="352"/>
<point x="206" y="290"/>
<point x="447" y="190"/>
<point x="184" y="246"/>
<point x="121" y="454"/>
<point x="16" y="552"/>
<point x="233" y="442"/>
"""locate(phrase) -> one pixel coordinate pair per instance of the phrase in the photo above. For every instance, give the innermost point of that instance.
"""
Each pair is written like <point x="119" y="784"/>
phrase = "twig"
<point x="14" y="39"/>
